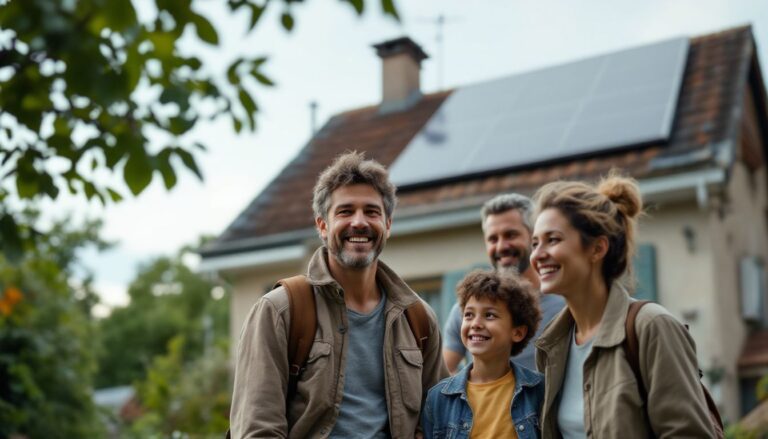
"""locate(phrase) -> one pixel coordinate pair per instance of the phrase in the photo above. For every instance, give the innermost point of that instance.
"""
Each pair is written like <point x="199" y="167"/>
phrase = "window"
<point x="645" y="273"/>
<point x="751" y="275"/>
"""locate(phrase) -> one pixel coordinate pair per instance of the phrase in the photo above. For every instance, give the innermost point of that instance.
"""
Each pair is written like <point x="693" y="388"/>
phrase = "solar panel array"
<point x="606" y="102"/>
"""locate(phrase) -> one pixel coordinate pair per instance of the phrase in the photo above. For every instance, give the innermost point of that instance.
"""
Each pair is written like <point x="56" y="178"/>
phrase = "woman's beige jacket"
<point x="613" y="407"/>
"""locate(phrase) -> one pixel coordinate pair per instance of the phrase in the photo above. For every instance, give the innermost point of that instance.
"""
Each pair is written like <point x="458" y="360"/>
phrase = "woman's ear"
<point x="599" y="248"/>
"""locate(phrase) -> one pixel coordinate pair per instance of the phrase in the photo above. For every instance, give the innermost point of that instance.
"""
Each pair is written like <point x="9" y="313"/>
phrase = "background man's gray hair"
<point x="504" y="202"/>
<point x="352" y="168"/>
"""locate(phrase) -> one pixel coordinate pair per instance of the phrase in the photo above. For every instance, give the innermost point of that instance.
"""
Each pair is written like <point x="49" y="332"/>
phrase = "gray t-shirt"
<point x="363" y="411"/>
<point x="551" y="304"/>
<point x="570" y="414"/>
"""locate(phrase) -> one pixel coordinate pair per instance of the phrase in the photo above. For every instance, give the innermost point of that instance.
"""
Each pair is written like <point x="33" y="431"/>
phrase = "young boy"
<point x="491" y="397"/>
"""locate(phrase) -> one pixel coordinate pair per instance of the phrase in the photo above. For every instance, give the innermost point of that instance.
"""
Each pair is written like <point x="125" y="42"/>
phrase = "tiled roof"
<point x="712" y="90"/>
<point x="755" y="352"/>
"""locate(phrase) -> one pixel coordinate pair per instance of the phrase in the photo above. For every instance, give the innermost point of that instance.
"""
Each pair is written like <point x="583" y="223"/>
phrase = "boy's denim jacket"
<point x="447" y="413"/>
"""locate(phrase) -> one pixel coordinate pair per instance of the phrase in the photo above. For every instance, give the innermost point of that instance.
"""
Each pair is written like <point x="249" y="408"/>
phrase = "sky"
<point x="328" y="59"/>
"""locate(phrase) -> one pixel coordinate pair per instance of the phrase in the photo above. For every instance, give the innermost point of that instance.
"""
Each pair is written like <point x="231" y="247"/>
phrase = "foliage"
<point x="737" y="432"/>
<point x="167" y="299"/>
<point x="190" y="399"/>
<point x="46" y="339"/>
<point x="83" y="83"/>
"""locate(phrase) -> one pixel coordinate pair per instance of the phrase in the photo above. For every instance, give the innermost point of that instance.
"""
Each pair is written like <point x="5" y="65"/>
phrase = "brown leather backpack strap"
<point x="301" y="334"/>
<point x="632" y="346"/>
<point x="418" y="320"/>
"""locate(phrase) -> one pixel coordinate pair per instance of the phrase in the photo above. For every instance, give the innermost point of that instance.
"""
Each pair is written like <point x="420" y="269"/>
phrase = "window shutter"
<point x="448" y="293"/>
<point x="451" y="280"/>
<point x="645" y="273"/>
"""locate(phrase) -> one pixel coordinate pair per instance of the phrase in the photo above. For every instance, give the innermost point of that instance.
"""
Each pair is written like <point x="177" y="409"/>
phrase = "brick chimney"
<point x="400" y="65"/>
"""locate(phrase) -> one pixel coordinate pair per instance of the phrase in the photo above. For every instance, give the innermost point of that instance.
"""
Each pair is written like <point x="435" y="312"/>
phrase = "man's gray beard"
<point x="356" y="262"/>
<point x="511" y="269"/>
<point x="353" y="262"/>
<point x="518" y="269"/>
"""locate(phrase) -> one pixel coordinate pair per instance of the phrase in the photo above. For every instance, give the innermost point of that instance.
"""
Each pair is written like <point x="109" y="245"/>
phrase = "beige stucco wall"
<point x="738" y="229"/>
<point x="248" y="286"/>
<point x="434" y="253"/>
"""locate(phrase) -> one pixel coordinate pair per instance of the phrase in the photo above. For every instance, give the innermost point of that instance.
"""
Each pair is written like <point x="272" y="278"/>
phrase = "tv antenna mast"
<point x="439" y="21"/>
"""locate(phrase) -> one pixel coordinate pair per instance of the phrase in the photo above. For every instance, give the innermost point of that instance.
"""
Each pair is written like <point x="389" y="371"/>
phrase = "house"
<point x="686" y="117"/>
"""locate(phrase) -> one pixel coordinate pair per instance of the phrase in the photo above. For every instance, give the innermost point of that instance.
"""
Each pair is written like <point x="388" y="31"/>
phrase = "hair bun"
<point x="623" y="192"/>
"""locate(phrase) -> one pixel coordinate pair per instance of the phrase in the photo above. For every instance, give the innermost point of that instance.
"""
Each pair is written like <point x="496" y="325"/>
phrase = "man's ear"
<point x="322" y="227"/>
<point x="389" y="225"/>
<point x="519" y="333"/>
<point x="600" y="248"/>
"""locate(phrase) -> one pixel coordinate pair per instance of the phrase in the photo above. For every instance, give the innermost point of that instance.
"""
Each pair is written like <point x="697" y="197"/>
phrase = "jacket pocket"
<point x="317" y="373"/>
<point x="409" y="367"/>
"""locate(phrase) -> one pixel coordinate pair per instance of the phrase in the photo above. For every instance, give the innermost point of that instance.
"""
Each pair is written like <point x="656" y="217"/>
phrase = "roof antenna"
<point x="313" y="117"/>
<point x="439" y="23"/>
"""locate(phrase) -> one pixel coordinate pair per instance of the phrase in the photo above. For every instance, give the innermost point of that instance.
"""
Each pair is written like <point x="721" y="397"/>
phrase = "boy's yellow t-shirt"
<point x="491" y="404"/>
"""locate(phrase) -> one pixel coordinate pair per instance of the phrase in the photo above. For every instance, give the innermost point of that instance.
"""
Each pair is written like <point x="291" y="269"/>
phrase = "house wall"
<point x="250" y="285"/>
<point x="739" y="228"/>
<point x="435" y="253"/>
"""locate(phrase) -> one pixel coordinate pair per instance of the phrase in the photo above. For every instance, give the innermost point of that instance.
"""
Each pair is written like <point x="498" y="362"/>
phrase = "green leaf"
<point x="119" y="15"/>
<point x="166" y="169"/>
<point x="205" y="30"/>
<point x="232" y="75"/>
<point x="114" y="195"/>
<point x="262" y="78"/>
<point x="189" y="162"/>
<point x="249" y="105"/>
<point x="287" y="21"/>
<point x="138" y="171"/>
<point x="389" y="8"/>
<point x="256" y="11"/>
<point x="179" y="125"/>
<point x="164" y="43"/>
<point x="89" y="189"/>
<point x="238" y="124"/>
<point x="359" y="5"/>
<point x="10" y="239"/>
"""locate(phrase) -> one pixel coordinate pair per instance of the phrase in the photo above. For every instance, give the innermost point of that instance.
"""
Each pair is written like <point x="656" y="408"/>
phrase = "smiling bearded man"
<point x="366" y="374"/>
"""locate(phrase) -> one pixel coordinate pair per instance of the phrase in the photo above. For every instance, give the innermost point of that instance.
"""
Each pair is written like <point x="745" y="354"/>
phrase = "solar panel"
<point x="607" y="102"/>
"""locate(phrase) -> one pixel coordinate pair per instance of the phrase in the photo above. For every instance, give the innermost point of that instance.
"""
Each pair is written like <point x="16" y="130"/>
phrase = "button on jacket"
<point x="447" y="413"/>
<point x="261" y="369"/>
<point x="613" y="406"/>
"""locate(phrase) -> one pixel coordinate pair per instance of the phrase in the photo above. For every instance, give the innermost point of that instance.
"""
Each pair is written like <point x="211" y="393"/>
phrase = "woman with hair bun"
<point x="583" y="243"/>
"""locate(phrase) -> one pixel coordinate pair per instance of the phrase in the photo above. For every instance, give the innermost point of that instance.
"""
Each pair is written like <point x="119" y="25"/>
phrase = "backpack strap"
<point x="632" y="351"/>
<point x="301" y="334"/>
<point x="632" y="346"/>
<point x="418" y="320"/>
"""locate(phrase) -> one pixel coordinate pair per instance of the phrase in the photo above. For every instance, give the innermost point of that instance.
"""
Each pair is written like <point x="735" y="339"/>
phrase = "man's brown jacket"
<point x="261" y="369"/>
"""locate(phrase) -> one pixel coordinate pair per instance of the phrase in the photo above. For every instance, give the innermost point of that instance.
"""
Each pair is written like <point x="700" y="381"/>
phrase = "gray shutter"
<point x="645" y="273"/>
<point x="448" y="293"/>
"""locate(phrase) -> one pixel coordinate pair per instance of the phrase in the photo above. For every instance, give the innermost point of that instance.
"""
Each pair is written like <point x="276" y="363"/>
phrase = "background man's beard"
<point x="518" y="268"/>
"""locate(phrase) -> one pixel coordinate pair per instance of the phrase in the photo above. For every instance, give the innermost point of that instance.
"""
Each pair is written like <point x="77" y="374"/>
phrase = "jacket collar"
<point x="611" y="333"/>
<point x="457" y="384"/>
<point x="397" y="291"/>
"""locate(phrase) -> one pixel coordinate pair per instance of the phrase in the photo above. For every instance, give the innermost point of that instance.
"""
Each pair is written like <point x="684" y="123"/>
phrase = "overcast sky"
<point x="328" y="58"/>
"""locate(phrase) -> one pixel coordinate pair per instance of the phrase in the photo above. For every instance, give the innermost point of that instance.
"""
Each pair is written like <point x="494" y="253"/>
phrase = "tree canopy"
<point x="167" y="300"/>
<point x="47" y="343"/>
<point x="83" y="83"/>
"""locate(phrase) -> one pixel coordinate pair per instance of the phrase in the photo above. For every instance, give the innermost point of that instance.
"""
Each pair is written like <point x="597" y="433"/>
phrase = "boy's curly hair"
<point x="516" y="293"/>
